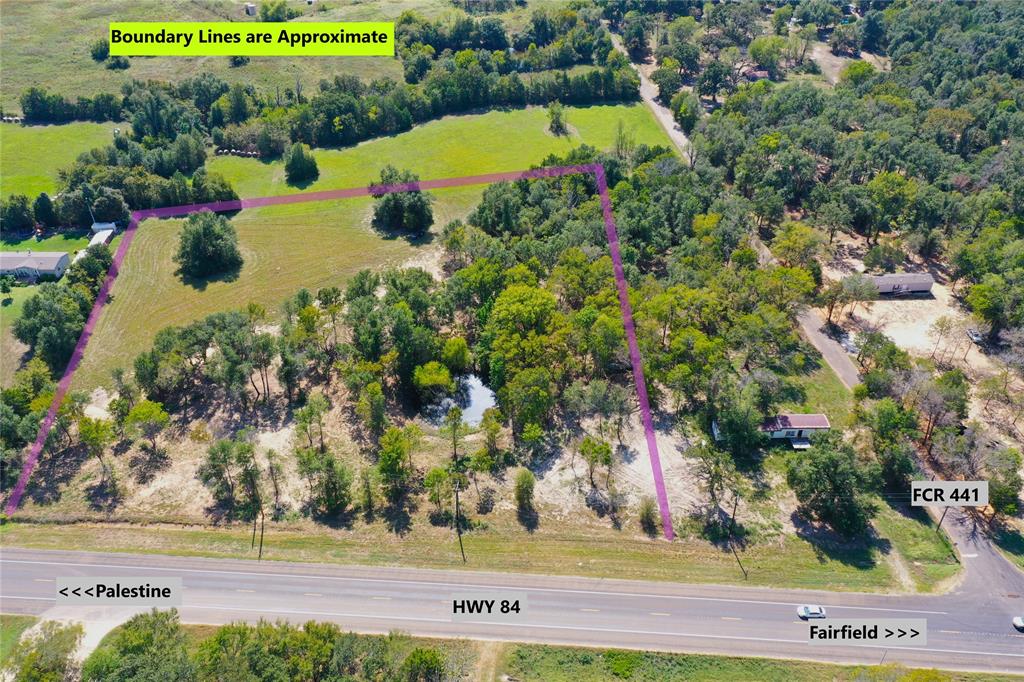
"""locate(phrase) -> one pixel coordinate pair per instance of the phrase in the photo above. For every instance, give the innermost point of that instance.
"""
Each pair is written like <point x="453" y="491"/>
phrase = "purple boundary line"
<point x="373" y="190"/>
<point x="634" y="351"/>
<point x="76" y="357"/>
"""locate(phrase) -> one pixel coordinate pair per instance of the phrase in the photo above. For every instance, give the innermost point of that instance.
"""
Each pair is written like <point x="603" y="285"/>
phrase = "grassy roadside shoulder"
<point x="928" y="554"/>
<point x="11" y="628"/>
<point x="790" y="562"/>
<point x="536" y="663"/>
<point x="1010" y="541"/>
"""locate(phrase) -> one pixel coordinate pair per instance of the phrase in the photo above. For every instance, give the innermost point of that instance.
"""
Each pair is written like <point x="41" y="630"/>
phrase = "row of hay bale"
<point x="222" y="151"/>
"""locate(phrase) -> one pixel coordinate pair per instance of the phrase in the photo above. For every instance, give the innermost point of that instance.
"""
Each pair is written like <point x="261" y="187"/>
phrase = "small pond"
<point x="471" y="394"/>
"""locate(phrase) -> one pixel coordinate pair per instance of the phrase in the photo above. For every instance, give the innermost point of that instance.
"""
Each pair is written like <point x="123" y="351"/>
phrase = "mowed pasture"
<point x="47" y="45"/>
<point x="31" y="156"/>
<point x="323" y="243"/>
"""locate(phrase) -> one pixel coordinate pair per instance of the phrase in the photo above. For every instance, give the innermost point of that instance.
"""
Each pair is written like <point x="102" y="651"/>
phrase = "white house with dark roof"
<point x="796" y="428"/>
<point x="33" y="265"/>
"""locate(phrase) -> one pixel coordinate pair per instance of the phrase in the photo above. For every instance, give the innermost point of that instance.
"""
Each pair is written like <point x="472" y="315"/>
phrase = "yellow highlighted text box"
<point x="251" y="39"/>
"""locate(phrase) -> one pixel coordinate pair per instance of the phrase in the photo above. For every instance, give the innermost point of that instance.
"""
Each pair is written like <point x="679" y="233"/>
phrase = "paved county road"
<point x="560" y="610"/>
<point x="811" y="324"/>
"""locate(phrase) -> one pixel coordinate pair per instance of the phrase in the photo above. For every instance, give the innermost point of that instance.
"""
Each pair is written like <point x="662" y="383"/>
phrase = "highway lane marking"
<point x="311" y="594"/>
<point x="381" y="598"/>
<point x="951" y="632"/>
<point x="591" y="610"/>
<point x="201" y="607"/>
<point x="634" y="595"/>
<point x="249" y="591"/>
<point x="42" y="580"/>
<point x="730" y="618"/>
<point x="657" y="613"/>
<point x="585" y="629"/>
<point x="969" y="556"/>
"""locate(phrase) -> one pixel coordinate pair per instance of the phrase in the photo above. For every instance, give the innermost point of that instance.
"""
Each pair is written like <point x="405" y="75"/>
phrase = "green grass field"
<point x="323" y="243"/>
<point x="11" y="628"/>
<point x="47" y="45"/>
<point x="598" y="552"/>
<point x="536" y="663"/>
<point x="30" y="156"/>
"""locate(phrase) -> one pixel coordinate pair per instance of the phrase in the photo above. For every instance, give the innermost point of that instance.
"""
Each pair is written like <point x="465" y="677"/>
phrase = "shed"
<point x="103" y="237"/>
<point x="904" y="283"/>
<point x="103" y="227"/>
<point x="250" y="9"/>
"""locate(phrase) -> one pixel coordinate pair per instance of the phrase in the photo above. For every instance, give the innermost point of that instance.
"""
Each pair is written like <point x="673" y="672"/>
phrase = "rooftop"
<point x="781" y="422"/>
<point x="37" y="260"/>
<point x="905" y="278"/>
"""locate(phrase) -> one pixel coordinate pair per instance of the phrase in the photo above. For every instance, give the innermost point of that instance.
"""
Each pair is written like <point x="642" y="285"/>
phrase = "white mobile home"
<point x="903" y="284"/>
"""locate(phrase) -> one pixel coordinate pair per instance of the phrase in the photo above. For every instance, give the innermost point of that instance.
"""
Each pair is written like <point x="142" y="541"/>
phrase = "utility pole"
<point x="941" y="519"/>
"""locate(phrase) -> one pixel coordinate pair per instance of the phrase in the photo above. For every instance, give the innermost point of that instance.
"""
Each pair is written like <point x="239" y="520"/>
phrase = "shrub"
<point x="524" y="489"/>
<point x="299" y="164"/>
<point x="100" y="50"/>
<point x="648" y="515"/>
<point x="118" y="63"/>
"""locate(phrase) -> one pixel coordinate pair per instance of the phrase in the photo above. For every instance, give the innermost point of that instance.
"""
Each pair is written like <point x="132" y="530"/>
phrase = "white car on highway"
<point x="1018" y="623"/>
<point x="808" y="611"/>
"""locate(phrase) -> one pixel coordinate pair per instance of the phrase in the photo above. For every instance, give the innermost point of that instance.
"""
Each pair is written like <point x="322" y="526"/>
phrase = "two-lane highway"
<point x="558" y="610"/>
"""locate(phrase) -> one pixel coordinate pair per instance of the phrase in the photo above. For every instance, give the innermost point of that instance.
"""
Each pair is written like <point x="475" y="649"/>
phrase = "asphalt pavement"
<point x="965" y="630"/>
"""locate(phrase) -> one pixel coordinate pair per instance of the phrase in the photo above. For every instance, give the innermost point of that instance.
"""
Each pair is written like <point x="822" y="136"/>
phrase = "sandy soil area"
<point x="909" y="323"/>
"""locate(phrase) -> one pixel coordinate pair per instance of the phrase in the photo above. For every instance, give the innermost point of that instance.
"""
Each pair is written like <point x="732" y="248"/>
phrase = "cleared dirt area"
<point x="910" y="323"/>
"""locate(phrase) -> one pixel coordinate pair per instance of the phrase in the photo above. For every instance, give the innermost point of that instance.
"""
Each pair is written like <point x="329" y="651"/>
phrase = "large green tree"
<point x="208" y="246"/>
<point x="831" y="486"/>
<point x="401" y="211"/>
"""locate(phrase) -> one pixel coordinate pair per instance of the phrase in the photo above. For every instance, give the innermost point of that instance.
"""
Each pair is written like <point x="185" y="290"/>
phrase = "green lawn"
<point x="323" y="243"/>
<point x="11" y="628"/>
<point x="10" y="348"/>
<point x="539" y="663"/>
<point x="824" y="392"/>
<point x="30" y="156"/>
<point x="69" y="241"/>
<point x="928" y="554"/>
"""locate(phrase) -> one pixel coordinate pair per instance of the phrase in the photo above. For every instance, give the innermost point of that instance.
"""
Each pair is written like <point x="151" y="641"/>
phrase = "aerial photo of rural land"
<point x="511" y="340"/>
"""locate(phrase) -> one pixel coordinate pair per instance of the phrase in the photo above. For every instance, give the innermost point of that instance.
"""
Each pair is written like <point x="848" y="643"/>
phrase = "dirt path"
<point x="488" y="660"/>
<point x="649" y="94"/>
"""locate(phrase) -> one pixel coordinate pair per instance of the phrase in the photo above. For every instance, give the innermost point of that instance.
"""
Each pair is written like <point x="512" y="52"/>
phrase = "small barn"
<point x="903" y="284"/>
<point x="796" y="428"/>
<point x="103" y="237"/>
<point x="103" y="227"/>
